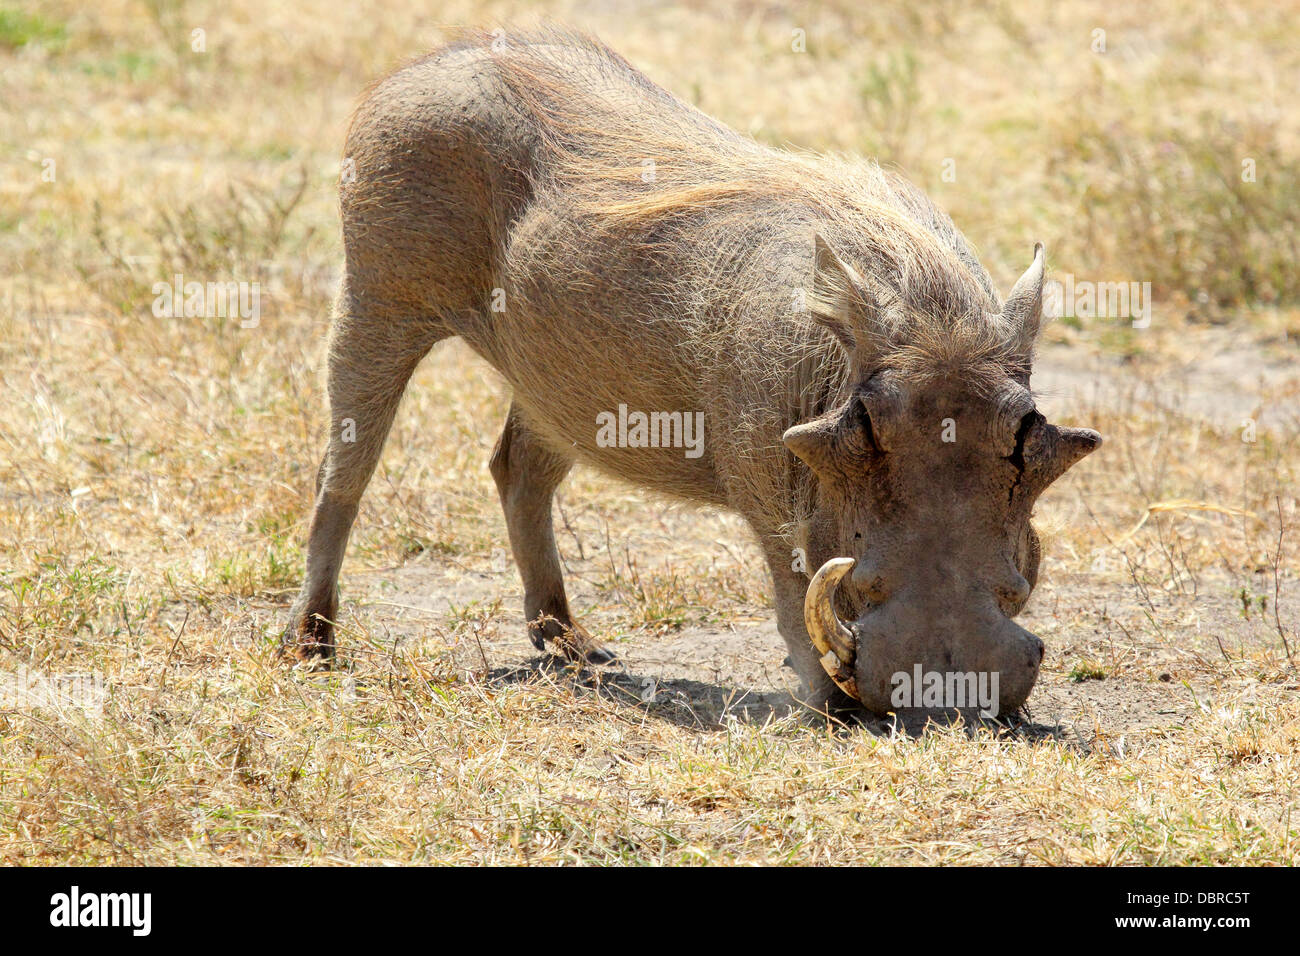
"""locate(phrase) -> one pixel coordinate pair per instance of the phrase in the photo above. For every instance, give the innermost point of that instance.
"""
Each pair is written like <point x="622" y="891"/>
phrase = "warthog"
<point x="606" y="247"/>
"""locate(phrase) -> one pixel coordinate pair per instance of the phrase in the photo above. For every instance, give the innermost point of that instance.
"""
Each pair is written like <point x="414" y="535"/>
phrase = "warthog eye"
<point x="862" y="419"/>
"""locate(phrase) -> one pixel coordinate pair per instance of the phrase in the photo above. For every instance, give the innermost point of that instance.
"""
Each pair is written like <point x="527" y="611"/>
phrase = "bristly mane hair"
<point x="876" y="218"/>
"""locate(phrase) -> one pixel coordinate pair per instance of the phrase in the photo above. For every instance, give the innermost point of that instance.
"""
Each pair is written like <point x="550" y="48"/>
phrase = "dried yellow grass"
<point x="155" y="474"/>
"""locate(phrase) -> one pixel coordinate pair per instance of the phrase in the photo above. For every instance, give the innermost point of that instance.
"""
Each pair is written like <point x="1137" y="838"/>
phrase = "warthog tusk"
<point x="832" y="638"/>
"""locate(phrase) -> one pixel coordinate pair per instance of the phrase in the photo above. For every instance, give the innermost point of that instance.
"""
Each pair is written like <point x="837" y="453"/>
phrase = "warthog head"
<point x="926" y="480"/>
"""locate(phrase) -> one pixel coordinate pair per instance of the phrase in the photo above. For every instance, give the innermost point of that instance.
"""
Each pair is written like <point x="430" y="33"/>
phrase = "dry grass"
<point x="155" y="473"/>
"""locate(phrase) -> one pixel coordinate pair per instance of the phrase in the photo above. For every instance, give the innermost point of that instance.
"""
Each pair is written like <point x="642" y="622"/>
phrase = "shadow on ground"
<point x="706" y="705"/>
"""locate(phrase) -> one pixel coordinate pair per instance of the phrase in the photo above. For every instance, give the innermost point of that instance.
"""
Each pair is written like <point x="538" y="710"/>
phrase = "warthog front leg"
<point x="370" y="361"/>
<point x="527" y="474"/>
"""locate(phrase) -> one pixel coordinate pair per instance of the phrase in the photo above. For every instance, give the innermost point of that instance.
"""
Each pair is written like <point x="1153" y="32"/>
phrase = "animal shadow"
<point x="702" y="705"/>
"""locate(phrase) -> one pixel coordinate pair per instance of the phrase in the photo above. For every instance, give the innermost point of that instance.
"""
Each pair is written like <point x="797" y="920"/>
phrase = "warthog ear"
<point x="813" y="443"/>
<point x="1066" y="447"/>
<point x="856" y="308"/>
<point x="837" y="445"/>
<point x="1022" y="314"/>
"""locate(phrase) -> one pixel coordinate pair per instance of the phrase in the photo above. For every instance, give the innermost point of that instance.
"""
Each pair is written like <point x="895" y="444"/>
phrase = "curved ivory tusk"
<point x="833" y="640"/>
<point x="827" y="631"/>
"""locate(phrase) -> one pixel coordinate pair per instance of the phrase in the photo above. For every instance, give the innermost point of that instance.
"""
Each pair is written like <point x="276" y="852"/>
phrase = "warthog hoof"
<point x="308" y="640"/>
<point x="573" y="641"/>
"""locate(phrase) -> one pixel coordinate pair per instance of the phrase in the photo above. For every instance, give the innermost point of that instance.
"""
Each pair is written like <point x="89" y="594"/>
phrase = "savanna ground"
<point x="155" y="473"/>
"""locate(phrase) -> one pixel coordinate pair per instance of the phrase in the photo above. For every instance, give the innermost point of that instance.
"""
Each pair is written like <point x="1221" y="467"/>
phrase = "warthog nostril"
<point x="1038" y="645"/>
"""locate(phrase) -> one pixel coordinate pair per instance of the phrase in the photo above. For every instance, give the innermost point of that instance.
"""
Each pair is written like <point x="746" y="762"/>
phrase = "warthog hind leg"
<point x="527" y="474"/>
<point x="370" y="360"/>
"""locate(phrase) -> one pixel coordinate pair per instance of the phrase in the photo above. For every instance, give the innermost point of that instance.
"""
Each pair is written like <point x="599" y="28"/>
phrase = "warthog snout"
<point x="913" y="650"/>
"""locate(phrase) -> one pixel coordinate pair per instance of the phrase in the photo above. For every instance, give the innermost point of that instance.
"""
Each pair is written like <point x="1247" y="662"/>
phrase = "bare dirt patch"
<point x="1100" y="679"/>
